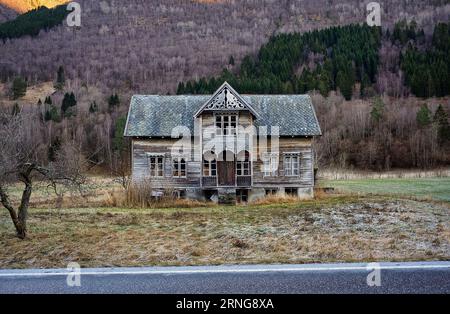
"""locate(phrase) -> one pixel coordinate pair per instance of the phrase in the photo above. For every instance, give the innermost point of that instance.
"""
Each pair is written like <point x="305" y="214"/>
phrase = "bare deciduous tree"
<point x="23" y="159"/>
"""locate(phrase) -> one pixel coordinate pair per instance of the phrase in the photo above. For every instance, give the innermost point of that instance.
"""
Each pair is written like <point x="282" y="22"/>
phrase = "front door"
<point x="226" y="169"/>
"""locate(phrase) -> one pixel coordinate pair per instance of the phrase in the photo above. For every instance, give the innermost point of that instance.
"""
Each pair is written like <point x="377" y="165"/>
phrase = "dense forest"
<point x="340" y="57"/>
<point x="31" y="23"/>
<point x="428" y="71"/>
<point x="335" y="59"/>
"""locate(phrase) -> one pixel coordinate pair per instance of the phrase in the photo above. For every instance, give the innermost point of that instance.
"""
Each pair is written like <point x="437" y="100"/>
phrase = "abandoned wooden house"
<point x="223" y="147"/>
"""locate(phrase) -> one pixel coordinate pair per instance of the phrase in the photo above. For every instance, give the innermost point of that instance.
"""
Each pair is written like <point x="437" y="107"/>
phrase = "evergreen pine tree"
<point x="180" y="88"/>
<point x="113" y="101"/>
<point x="441" y="120"/>
<point x="118" y="142"/>
<point x="52" y="114"/>
<point x="377" y="110"/>
<point x="47" y="116"/>
<point x="60" y="78"/>
<point x="66" y="104"/>
<point x="19" y="88"/>
<point x="423" y="116"/>
<point x="72" y="100"/>
<point x="48" y="100"/>
<point x="231" y="61"/>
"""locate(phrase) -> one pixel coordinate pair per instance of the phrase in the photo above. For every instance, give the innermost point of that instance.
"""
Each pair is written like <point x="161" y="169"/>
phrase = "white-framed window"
<point x="270" y="165"/>
<point x="210" y="166"/>
<point x="243" y="164"/>
<point x="179" y="167"/>
<point x="226" y="124"/>
<point x="156" y="164"/>
<point x="291" y="165"/>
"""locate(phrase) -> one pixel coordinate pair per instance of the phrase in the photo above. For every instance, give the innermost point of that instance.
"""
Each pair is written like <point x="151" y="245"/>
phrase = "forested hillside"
<point x="428" y="70"/>
<point x="325" y="60"/>
<point x="336" y="59"/>
<point x="23" y="6"/>
<point x="150" y="46"/>
<point x="362" y="80"/>
<point x="32" y="22"/>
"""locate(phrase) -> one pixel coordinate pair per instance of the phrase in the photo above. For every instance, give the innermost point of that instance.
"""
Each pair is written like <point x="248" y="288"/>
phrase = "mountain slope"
<point x="6" y="14"/>
<point x="33" y="22"/>
<point x="23" y="6"/>
<point x="150" y="46"/>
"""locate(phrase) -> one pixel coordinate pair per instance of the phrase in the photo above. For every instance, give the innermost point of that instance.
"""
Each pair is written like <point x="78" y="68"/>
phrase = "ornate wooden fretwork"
<point x="225" y="99"/>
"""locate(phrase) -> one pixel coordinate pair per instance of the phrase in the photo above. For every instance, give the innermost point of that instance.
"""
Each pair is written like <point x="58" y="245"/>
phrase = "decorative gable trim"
<point x="225" y="98"/>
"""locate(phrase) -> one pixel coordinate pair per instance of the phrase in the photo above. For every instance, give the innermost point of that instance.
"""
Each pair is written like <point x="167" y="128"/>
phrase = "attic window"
<point x="226" y="124"/>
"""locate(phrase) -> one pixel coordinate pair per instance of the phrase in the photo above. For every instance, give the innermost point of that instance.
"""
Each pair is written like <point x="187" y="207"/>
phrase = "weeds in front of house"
<point x="333" y="229"/>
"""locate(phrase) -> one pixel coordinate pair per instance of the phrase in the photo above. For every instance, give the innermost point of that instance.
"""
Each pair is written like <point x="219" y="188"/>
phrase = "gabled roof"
<point x="226" y="98"/>
<point x="156" y="116"/>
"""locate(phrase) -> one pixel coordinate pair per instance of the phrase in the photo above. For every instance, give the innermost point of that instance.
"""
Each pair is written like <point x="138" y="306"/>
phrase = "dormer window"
<point x="226" y="124"/>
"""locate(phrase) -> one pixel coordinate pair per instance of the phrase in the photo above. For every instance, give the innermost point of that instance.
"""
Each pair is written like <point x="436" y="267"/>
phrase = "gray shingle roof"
<point x="156" y="116"/>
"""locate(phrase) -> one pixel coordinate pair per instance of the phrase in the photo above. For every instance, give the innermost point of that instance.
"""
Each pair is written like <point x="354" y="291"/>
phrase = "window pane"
<point x="295" y="166"/>
<point x="205" y="168"/>
<point x="287" y="164"/>
<point x="175" y="167"/>
<point x="183" y="167"/>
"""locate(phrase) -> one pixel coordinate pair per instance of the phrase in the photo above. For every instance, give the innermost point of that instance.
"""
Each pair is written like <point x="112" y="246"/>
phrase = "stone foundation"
<point x="306" y="193"/>
<point x="228" y="195"/>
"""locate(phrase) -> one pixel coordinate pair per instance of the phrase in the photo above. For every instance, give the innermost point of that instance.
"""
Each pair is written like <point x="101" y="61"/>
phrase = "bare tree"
<point x="23" y="159"/>
<point x="120" y="168"/>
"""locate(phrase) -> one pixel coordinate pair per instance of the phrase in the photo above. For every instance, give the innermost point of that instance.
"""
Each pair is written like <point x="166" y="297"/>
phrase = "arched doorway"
<point x="226" y="168"/>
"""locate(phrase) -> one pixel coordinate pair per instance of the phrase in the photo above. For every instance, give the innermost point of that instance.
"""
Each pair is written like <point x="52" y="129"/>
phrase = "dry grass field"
<point x="328" y="229"/>
<point x="430" y="188"/>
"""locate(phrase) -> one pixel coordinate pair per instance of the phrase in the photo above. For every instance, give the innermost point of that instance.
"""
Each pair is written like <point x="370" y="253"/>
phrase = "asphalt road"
<point x="420" y="277"/>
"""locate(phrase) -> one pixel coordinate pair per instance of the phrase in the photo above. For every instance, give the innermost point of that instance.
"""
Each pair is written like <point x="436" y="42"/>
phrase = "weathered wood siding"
<point x="306" y="166"/>
<point x="245" y="120"/>
<point x="141" y="167"/>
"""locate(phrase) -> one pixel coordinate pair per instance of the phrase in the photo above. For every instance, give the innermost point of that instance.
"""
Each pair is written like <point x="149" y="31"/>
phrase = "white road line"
<point x="206" y="271"/>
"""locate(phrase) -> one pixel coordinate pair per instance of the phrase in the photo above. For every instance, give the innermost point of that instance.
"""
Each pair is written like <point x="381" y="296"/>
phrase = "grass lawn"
<point x="427" y="188"/>
<point x="329" y="229"/>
